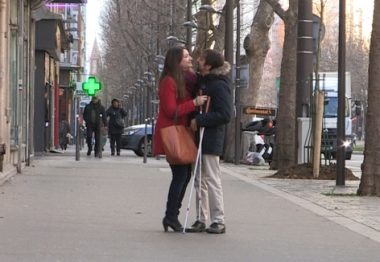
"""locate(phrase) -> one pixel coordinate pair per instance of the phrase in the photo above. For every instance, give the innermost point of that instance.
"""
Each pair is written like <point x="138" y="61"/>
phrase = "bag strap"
<point x="175" y="118"/>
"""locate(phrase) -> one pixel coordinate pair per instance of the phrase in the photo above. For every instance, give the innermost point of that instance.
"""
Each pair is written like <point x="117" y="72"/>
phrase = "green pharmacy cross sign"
<point x="91" y="87"/>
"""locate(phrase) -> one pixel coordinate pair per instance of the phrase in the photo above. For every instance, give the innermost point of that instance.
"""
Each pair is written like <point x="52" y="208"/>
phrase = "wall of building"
<point x="16" y="84"/>
<point x="4" y="110"/>
<point x="29" y="83"/>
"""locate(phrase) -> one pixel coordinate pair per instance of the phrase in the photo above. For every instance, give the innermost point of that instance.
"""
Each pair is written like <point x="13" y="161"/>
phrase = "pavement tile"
<point x="341" y="200"/>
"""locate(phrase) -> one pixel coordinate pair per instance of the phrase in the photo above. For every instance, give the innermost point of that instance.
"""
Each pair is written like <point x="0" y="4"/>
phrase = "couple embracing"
<point x="177" y="91"/>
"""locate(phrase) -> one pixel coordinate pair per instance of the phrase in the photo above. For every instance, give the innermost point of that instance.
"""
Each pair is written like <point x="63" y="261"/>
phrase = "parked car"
<point x="133" y="139"/>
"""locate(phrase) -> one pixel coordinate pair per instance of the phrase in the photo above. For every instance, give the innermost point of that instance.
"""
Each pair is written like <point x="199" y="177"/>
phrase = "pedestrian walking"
<point x="175" y="102"/>
<point x="64" y="134"/>
<point x="214" y="83"/>
<point x="95" y="117"/>
<point x="116" y="115"/>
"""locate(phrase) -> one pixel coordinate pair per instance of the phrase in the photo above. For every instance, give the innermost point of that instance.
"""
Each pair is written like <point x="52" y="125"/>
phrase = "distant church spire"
<point x="95" y="58"/>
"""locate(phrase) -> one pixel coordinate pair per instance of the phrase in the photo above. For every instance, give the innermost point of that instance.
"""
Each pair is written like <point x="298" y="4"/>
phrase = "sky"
<point x="364" y="10"/>
<point x="93" y="8"/>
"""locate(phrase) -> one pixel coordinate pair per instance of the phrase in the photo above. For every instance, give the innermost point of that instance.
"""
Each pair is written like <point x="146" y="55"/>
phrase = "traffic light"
<point x="91" y="86"/>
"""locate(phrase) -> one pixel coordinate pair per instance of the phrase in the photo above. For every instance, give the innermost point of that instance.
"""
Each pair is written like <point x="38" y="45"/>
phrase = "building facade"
<point x="17" y="27"/>
<point x="34" y="39"/>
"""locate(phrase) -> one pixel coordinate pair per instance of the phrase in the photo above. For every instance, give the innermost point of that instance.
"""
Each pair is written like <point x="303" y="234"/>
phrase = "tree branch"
<point x="277" y="8"/>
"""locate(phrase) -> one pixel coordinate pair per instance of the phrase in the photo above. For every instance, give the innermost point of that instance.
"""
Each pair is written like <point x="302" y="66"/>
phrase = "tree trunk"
<point x="286" y="116"/>
<point x="370" y="180"/>
<point x="257" y="51"/>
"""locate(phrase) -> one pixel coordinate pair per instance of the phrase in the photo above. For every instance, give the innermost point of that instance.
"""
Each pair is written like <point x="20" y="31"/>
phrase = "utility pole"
<point x="228" y="39"/>
<point x="188" y="29"/>
<point x="341" y="134"/>
<point x="304" y="64"/>
<point x="228" y="56"/>
<point x="304" y="56"/>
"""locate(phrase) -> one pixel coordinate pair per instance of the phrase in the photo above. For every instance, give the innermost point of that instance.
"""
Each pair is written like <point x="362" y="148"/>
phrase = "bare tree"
<point x="286" y="118"/>
<point x="134" y="32"/>
<point x="259" y="45"/>
<point x="320" y="7"/>
<point x="370" y="180"/>
<point x="205" y="23"/>
<point x="356" y="58"/>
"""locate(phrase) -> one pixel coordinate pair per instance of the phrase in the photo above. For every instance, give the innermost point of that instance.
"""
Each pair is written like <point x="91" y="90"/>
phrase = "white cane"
<point x="200" y="180"/>
<point x="193" y="179"/>
<point x="198" y="164"/>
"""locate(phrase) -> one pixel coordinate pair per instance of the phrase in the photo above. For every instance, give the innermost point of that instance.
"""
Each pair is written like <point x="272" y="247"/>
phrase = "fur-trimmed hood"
<point x="219" y="74"/>
<point x="222" y="70"/>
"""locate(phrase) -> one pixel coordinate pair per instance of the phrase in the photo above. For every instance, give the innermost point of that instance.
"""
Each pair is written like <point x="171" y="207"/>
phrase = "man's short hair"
<point x="213" y="58"/>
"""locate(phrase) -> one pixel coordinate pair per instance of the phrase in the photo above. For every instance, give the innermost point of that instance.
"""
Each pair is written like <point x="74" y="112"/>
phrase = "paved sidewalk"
<point x="111" y="209"/>
<point x="361" y="214"/>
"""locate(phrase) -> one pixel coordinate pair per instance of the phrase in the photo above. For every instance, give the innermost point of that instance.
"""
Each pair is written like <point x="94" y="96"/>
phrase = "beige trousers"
<point x="209" y="197"/>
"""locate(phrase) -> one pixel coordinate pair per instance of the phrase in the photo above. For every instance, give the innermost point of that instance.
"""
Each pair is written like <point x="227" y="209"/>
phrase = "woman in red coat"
<point x="175" y="96"/>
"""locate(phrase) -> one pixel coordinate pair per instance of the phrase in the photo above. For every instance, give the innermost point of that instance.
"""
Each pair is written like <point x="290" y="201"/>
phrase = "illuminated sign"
<point x="91" y="87"/>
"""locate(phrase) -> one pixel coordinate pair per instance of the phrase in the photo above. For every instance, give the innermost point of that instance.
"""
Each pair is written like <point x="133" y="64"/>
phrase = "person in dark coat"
<point x="94" y="115"/>
<point x="214" y="83"/>
<point x="64" y="133"/>
<point x="116" y="116"/>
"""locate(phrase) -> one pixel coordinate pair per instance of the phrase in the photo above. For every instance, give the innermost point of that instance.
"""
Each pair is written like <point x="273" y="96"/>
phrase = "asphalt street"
<point x="111" y="209"/>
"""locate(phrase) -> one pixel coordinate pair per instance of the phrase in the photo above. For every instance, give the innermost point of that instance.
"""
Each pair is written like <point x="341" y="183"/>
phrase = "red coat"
<point x="168" y="105"/>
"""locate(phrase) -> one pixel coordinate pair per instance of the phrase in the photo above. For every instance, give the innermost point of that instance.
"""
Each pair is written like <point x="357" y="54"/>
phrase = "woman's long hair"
<point x="172" y="68"/>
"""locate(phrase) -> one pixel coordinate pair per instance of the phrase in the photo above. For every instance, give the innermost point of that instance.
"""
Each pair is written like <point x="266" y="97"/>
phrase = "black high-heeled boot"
<point x="175" y="225"/>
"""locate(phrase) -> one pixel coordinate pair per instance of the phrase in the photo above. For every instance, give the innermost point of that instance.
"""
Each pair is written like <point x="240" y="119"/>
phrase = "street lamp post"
<point x="148" y="115"/>
<point x="130" y="107"/>
<point x="141" y="101"/>
<point x="127" y="104"/>
<point x="134" y="102"/>
<point x="143" y="98"/>
<point x="148" y="77"/>
<point x="341" y="136"/>
<point x="228" y="39"/>
<point x="188" y="29"/>
<point x="138" y="102"/>
<point x="237" y="87"/>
